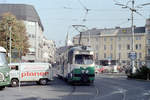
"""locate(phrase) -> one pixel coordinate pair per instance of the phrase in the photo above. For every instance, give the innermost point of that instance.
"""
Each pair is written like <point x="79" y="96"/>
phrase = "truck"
<point x="4" y="69"/>
<point x="40" y="73"/>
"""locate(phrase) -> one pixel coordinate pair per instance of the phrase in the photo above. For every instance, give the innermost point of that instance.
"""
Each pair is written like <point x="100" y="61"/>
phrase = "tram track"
<point x="97" y="93"/>
<point x="84" y="94"/>
<point x="73" y="88"/>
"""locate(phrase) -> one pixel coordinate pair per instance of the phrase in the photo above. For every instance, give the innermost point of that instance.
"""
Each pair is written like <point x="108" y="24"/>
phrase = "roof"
<point x="139" y="30"/>
<point x="108" y="31"/>
<point x="81" y="48"/>
<point x="22" y="12"/>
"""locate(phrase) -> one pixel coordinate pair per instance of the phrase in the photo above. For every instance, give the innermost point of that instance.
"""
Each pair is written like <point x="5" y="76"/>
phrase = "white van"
<point x="30" y="72"/>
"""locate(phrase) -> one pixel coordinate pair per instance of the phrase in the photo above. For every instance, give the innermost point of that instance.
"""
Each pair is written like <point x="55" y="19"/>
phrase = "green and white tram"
<point x="77" y="65"/>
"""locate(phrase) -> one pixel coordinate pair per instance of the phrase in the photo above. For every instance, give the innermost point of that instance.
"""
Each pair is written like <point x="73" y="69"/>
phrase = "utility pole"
<point x="133" y="10"/>
<point x="132" y="26"/>
<point x="133" y="35"/>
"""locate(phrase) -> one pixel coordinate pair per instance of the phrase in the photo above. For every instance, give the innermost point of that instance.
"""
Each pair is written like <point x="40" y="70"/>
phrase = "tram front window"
<point x="83" y="59"/>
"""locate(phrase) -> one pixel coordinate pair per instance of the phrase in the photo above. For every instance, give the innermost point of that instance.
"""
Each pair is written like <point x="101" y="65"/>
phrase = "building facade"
<point x="34" y="28"/>
<point x="148" y="42"/>
<point x="116" y="44"/>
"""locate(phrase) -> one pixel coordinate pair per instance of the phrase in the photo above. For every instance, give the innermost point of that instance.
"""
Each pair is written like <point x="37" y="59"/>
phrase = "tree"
<point x="18" y="30"/>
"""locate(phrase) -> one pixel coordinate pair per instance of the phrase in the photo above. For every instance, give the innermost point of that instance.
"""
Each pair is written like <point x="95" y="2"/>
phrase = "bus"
<point x="4" y="69"/>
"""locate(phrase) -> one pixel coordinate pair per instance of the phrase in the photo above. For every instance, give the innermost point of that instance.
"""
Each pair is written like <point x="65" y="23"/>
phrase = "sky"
<point x="58" y="16"/>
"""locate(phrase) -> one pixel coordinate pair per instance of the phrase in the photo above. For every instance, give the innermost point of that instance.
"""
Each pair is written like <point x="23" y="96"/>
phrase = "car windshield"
<point x="83" y="59"/>
<point x="3" y="60"/>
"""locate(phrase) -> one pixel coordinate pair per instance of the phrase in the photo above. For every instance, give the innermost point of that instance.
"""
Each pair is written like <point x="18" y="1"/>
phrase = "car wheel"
<point x="43" y="81"/>
<point x="14" y="82"/>
<point x="2" y="87"/>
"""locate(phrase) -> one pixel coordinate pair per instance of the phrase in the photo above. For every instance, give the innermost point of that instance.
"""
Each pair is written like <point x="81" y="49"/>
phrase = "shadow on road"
<point x="34" y="98"/>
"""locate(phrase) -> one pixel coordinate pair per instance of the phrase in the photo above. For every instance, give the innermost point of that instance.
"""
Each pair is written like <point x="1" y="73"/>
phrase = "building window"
<point x="104" y="47"/>
<point x="138" y="38"/>
<point x="128" y="46"/>
<point x="148" y="51"/>
<point x="136" y="46"/>
<point x="104" y="55"/>
<point x="129" y="38"/>
<point x="29" y="35"/>
<point x="148" y="31"/>
<point x="97" y="56"/>
<point x="33" y="36"/>
<point x="87" y="39"/>
<point x="111" y="39"/>
<point x="140" y="55"/>
<point x="119" y="46"/>
<point x="148" y="41"/>
<point x="119" y="38"/>
<point x="140" y="46"/>
<point x="105" y="39"/>
<point x="111" y="46"/>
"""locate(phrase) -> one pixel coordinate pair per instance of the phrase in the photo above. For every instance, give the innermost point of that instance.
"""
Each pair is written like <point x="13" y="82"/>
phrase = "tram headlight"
<point x="82" y="71"/>
<point x="87" y="71"/>
<point x="71" y="75"/>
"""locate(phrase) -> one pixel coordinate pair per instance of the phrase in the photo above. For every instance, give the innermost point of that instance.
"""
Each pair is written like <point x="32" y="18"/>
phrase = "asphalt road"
<point x="106" y="87"/>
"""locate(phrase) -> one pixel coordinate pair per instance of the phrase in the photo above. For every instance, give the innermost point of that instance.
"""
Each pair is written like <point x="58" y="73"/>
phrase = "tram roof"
<point x="80" y="48"/>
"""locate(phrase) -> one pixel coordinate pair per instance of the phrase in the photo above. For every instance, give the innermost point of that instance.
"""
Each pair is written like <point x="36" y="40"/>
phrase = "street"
<point x="106" y="87"/>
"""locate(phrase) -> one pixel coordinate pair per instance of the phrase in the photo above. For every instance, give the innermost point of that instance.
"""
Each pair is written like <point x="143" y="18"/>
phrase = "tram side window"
<point x="70" y="59"/>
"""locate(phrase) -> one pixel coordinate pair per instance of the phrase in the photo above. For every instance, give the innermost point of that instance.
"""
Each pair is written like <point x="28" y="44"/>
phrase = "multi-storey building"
<point x="48" y="50"/>
<point x="116" y="43"/>
<point x="148" y="42"/>
<point x="34" y="29"/>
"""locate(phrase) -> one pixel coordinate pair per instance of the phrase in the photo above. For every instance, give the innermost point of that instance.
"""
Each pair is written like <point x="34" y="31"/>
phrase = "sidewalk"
<point x="112" y="74"/>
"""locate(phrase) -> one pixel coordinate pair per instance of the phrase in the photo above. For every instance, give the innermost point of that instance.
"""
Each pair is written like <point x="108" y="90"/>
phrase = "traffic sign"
<point x="132" y="55"/>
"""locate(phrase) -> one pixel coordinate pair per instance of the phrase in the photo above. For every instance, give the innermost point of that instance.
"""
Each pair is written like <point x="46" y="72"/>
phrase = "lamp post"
<point x="133" y="10"/>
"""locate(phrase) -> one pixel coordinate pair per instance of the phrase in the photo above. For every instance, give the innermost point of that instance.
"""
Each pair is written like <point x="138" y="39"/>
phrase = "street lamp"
<point x="133" y="10"/>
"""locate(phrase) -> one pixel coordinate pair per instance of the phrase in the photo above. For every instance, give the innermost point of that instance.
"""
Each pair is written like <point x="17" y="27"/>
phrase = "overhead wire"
<point x="86" y="11"/>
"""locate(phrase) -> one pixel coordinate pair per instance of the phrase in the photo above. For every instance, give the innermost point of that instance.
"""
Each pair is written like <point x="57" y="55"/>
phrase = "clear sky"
<point x="58" y="15"/>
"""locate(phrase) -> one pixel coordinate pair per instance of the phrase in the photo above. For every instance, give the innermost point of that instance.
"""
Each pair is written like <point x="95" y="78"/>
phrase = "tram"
<point x="77" y="64"/>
